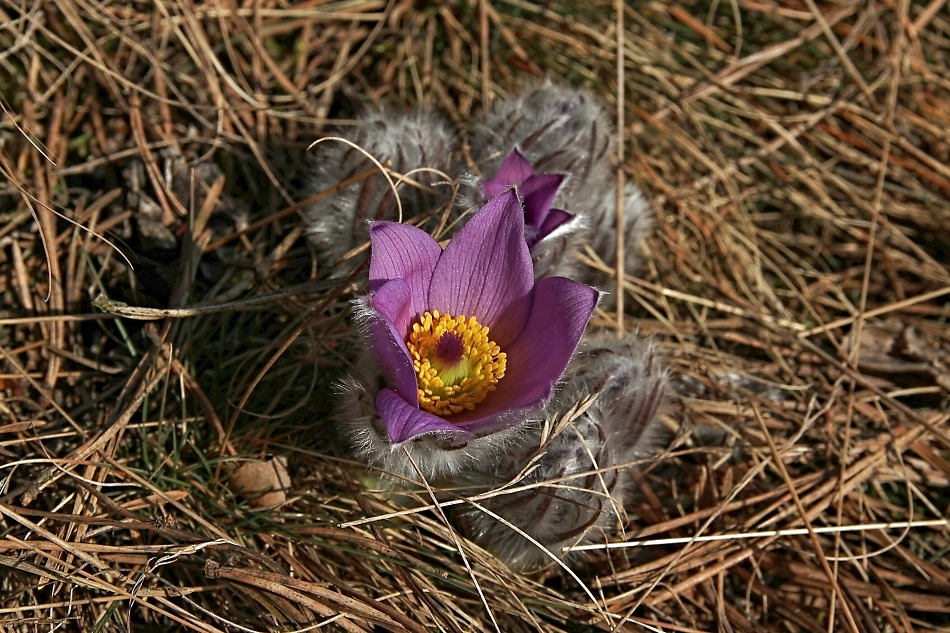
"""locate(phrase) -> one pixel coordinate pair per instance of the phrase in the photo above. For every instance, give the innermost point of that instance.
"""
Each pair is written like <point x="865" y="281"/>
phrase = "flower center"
<point x="456" y="364"/>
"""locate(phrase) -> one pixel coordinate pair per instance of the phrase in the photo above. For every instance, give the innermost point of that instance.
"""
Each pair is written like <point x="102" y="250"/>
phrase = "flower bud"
<point x="559" y="130"/>
<point x="420" y="140"/>
<point x="603" y="422"/>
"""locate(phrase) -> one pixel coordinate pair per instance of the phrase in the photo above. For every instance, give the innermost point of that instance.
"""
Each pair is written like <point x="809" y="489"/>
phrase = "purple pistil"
<point x="449" y="349"/>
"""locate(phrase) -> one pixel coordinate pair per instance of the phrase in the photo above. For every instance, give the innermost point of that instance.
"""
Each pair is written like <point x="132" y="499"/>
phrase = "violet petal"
<point x="554" y="219"/>
<point x="513" y="171"/>
<point x="404" y="421"/>
<point x="539" y="193"/>
<point x="536" y="360"/>
<point x="493" y="188"/>
<point x="486" y="270"/>
<point x="400" y="251"/>
<point x="386" y="322"/>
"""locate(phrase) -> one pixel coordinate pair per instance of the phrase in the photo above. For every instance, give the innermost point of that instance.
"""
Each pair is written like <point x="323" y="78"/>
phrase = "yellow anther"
<point x="456" y="364"/>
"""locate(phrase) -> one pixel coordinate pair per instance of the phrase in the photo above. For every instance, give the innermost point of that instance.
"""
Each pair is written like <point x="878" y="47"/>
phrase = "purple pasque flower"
<point x="539" y="191"/>
<point x="464" y="335"/>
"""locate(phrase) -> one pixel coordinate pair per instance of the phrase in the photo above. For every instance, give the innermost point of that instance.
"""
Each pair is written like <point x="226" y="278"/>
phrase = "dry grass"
<point x="799" y="277"/>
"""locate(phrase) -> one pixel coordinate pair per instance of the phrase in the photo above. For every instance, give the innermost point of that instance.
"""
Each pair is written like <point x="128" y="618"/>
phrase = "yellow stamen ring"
<point x="456" y="364"/>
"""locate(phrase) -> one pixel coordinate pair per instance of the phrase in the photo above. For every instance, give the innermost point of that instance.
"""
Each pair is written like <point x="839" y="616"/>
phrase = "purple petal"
<point x="400" y="251"/>
<point x="539" y="193"/>
<point x="554" y="219"/>
<point x="486" y="270"/>
<point x="390" y="312"/>
<point x="493" y="188"/>
<point x="392" y="299"/>
<point x="404" y="421"/>
<point x="498" y="422"/>
<point x="536" y="360"/>
<point x="513" y="171"/>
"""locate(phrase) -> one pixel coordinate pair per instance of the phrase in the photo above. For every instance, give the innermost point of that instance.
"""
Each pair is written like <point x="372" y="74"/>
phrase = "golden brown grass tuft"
<point x="152" y="152"/>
